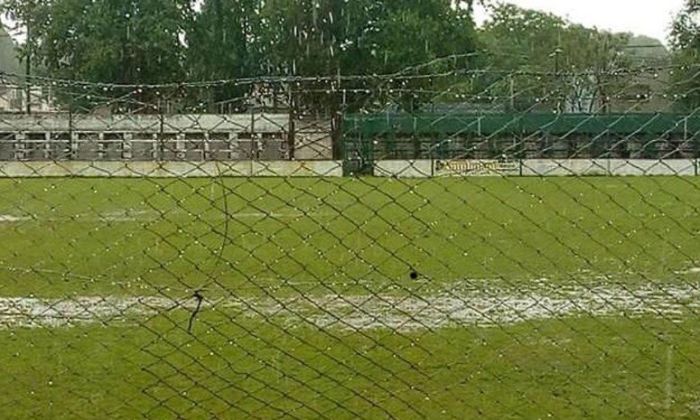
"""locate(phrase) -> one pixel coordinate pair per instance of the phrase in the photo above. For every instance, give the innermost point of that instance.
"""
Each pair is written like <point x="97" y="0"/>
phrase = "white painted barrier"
<point x="537" y="167"/>
<point x="184" y="123"/>
<point x="403" y="168"/>
<point x="653" y="167"/>
<point x="565" y="167"/>
<point x="320" y="168"/>
<point x="609" y="167"/>
<point x="393" y="168"/>
<point x="171" y="169"/>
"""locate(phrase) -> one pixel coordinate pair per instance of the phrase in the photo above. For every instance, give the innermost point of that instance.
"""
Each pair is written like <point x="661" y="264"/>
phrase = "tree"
<point x="414" y="32"/>
<point x="222" y="45"/>
<point x="685" y="43"/>
<point x="128" y="42"/>
<point x="564" y="66"/>
<point x="361" y="37"/>
<point x="329" y="37"/>
<point x="134" y="42"/>
<point x="140" y="42"/>
<point x="423" y="38"/>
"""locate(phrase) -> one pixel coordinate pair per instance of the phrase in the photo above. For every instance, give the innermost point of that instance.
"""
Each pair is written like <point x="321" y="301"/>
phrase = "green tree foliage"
<point x="333" y="37"/>
<point x="136" y="41"/>
<point x="327" y="37"/>
<point x="222" y="45"/>
<point x="221" y="39"/>
<point x="574" y="65"/>
<point x="312" y="37"/>
<point x="159" y="41"/>
<point x="412" y="32"/>
<point x="413" y="39"/>
<point x="685" y="42"/>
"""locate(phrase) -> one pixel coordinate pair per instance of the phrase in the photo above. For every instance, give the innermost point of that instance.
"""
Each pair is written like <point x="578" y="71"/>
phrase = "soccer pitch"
<point x="535" y="297"/>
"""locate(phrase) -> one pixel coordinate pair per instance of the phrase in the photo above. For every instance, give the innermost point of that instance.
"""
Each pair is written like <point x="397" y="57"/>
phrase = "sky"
<point x="641" y="17"/>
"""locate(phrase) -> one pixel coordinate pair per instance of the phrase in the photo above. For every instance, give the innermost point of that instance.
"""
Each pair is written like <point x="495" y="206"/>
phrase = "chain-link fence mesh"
<point x="452" y="243"/>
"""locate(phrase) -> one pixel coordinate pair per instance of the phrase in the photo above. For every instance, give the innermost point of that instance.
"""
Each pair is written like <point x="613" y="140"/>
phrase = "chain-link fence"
<point x="461" y="243"/>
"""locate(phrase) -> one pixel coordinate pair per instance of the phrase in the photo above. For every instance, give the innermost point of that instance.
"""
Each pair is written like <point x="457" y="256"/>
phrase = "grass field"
<point x="561" y="297"/>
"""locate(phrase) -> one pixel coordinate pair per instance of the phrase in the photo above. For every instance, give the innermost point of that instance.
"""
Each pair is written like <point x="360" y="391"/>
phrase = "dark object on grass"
<point x="414" y="275"/>
<point x="200" y="298"/>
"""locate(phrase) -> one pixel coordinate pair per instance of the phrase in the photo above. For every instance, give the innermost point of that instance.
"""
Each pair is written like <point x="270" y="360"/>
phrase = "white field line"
<point x="6" y="218"/>
<point x="152" y="216"/>
<point x="75" y="311"/>
<point x="692" y="270"/>
<point x="53" y="313"/>
<point x="485" y="308"/>
<point x="478" y="308"/>
<point x="61" y="274"/>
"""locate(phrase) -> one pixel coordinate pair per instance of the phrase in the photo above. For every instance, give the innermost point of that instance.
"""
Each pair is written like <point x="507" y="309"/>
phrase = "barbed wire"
<point x="466" y="68"/>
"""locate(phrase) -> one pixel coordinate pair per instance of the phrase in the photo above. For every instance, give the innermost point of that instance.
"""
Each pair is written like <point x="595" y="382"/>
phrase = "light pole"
<point x="28" y="68"/>
<point x="557" y="52"/>
<point x="430" y="154"/>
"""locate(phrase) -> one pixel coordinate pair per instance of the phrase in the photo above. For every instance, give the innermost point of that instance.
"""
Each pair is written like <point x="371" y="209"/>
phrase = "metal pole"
<point x="558" y="91"/>
<point x="28" y="63"/>
<point x="432" y="161"/>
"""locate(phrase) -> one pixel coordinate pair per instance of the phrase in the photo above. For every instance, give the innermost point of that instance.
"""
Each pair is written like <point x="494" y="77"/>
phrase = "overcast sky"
<point x="642" y="17"/>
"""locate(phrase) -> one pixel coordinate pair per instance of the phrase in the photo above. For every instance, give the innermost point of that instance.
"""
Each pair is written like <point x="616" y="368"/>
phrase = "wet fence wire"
<point x="425" y="244"/>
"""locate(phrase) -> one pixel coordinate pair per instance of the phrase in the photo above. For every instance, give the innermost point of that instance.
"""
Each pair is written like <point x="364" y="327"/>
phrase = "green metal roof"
<point x="518" y="124"/>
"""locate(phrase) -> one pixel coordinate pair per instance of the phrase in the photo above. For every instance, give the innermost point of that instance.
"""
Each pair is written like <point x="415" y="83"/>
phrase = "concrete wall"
<point x="403" y="168"/>
<point x="313" y="140"/>
<point x="536" y="167"/>
<point x="400" y="169"/>
<point x="312" y="168"/>
<point x="609" y="167"/>
<point x="195" y="137"/>
<point x="654" y="167"/>
<point x="192" y="123"/>
<point x="171" y="169"/>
